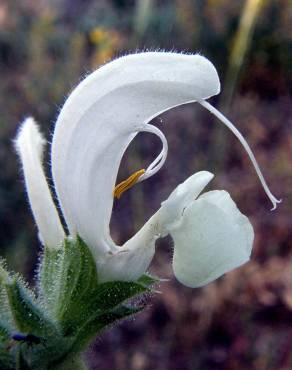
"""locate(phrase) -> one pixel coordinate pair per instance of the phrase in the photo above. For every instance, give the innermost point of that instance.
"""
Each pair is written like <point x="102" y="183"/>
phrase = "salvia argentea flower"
<point x="95" y="126"/>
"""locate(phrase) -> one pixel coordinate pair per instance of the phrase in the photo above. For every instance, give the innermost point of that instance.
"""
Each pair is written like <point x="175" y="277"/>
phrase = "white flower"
<point x="95" y="126"/>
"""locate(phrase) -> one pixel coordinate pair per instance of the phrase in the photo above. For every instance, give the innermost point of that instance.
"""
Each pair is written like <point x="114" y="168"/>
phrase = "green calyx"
<point x="50" y="329"/>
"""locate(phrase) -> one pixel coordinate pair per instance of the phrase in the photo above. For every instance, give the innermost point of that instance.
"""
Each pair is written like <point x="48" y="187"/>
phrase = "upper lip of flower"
<point x="99" y="120"/>
<point x="95" y="126"/>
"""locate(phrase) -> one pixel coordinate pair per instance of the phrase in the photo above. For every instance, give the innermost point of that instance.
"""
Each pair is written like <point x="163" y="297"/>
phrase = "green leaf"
<point x="111" y="294"/>
<point x="49" y="277"/>
<point x="7" y="325"/>
<point x="49" y="350"/>
<point x="106" y="309"/>
<point x="6" y="321"/>
<point x="71" y="309"/>
<point x="68" y="280"/>
<point x="90" y="329"/>
<point x="75" y="291"/>
<point x="104" y="298"/>
<point x="148" y="280"/>
<point x="28" y="317"/>
<point x="78" y="290"/>
<point x="66" y="276"/>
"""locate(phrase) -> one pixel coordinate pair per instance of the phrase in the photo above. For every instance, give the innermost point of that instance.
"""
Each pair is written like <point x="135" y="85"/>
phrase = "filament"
<point x="158" y="162"/>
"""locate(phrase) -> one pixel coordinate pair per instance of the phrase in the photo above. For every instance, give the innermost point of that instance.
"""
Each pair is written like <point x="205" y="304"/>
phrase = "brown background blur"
<point x="242" y="321"/>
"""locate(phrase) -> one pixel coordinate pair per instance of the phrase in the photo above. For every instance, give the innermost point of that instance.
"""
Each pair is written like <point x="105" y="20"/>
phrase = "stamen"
<point x="155" y="166"/>
<point x="128" y="183"/>
<point x="235" y="131"/>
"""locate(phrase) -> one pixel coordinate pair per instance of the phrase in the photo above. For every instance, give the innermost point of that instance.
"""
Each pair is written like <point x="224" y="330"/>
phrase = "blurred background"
<point x="243" y="320"/>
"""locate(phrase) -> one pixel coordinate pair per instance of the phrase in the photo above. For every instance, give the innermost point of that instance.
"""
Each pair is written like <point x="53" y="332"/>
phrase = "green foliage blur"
<point x="243" y="321"/>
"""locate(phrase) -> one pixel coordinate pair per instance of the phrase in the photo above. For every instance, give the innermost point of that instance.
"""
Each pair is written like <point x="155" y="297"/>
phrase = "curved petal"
<point x="212" y="238"/>
<point x="134" y="257"/>
<point x="223" y="200"/>
<point x="173" y="207"/>
<point x="29" y="145"/>
<point x="99" y="120"/>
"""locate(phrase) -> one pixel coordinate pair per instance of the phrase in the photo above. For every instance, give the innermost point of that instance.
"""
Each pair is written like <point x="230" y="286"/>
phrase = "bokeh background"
<point x="243" y="320"/>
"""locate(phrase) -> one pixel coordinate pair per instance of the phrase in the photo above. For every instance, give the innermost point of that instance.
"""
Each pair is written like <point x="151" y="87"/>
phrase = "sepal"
<point x="148" y="281"/>
<point x="7" y="325"/>
<point x="67" y="280"/>
<point x="48" y="278"/>
<point x="82" y="306"/>
<point x="100" y="323"/>
<point x="72" y="307"/>
<point x="38" y="339"/>
<point x="29" y="318"/>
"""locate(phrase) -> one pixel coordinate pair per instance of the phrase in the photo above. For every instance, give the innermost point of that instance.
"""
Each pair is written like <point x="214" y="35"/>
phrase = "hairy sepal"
<point x="67" y="280"/>
<point x="71" y="308"/>
<point x="31" y="319"/>
<point x="70" y="291"/>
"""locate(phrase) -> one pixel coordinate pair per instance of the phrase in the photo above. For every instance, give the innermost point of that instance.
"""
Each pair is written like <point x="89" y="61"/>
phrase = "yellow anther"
<point x="128" y="183"/>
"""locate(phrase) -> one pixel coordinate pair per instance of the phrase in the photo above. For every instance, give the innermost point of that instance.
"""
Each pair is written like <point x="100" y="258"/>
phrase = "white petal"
<point x="172" y="208"/>
<point x="223" y="200"/>
<point x="134" y="257"/>
<point x="212" y="239"/>
<point x="29" y="145"/>
<point x="99" y="120"/>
